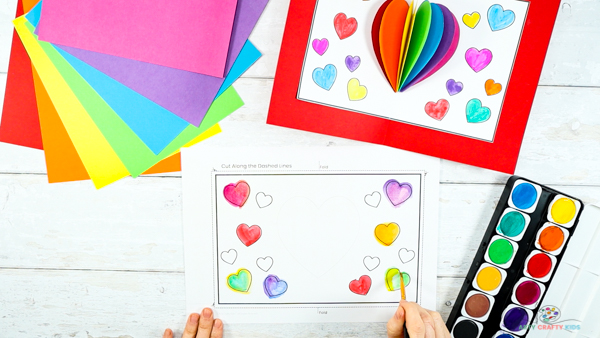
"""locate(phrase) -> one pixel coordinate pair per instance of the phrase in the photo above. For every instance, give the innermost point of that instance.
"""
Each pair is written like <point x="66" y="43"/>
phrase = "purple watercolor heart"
<point x="352" y="62"/>
<point x="397" y="192"/>
<point x="274" y="287"/>
<point x="477" y="59"/>
<point x="320" y="46"/>
<point x="454" y="87"/>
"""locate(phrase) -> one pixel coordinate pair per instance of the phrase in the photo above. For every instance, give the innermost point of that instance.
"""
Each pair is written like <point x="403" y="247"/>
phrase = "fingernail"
<point x="206" y="313"/>
<point x="218" y="324"/>
<point x="194" y="317"/>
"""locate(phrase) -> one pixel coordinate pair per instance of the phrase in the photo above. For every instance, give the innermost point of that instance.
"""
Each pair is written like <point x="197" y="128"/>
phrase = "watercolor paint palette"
<point x="510" y="282"/>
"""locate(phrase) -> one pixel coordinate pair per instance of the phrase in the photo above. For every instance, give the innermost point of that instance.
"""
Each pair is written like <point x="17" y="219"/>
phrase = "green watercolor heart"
<point x="240" y="281"/>
<point x="476" y="113"/>
<point x="392" y="279"/>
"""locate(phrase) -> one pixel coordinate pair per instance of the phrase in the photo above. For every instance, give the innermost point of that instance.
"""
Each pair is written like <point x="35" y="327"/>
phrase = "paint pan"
<point x="563" y="211"/>
<point x="489" y="279"/>
<point x="516" y="319"/>
<point x="551" y="238"/>
<point x="478" y="306"/>
<point x="466" y="328"/>
<point x="525" y="196"/>
<point x="501" y="252"/>
<point x="503" y="334"/>
<point x="513" y="224"/>
<point x="528" y="293"/>
<point x="539" y="266"/>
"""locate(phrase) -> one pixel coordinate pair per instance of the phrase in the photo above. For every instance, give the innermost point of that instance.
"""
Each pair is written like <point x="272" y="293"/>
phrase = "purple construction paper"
<point x="185" y="94"/>
<point x="444" y="46"/>
<point x="247" y="14"/>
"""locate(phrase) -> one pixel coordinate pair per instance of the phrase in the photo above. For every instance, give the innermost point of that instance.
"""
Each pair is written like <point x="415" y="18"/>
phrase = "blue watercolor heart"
<point x="352" y="62"/>
<point x="500" y="19"/>
<point x="476" y="112"/>
<point x="325" y="77"/>
<point x="454" y="87"/>
<point x="274" y="287"/>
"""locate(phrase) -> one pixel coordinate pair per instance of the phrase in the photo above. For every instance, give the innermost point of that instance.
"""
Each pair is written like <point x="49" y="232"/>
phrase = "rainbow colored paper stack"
<point x="114" y="88"/>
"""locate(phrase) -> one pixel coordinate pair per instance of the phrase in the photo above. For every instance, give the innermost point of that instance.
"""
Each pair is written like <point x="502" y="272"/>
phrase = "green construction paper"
<point x="418" y="38"/>
<point x="132" y="151"/>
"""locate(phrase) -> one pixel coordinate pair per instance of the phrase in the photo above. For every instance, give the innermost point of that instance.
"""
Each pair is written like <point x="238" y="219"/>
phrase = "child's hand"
<point x="200" y="326"/>
<point x="420" y="323"/>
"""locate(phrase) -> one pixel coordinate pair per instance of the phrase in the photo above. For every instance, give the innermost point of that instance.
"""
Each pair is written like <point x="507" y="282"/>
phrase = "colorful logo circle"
<point x="549" y="314"/>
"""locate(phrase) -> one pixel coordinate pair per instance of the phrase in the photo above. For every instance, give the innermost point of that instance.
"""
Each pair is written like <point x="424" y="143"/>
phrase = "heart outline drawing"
<point x="240" y="281"/>
<point x="229" y="256"/>
<point x="406" y="255"/>
<point x="371" y="263"/>
<point x="274" y="287"/>
<point x="265" y="263"/>
<point x="325" y="77"/>
<point x="237" y="193"/>
<point x="361" y="286"/>
<point x="263" y="200"/>
<point x="373" y="199"/>
<point x="248" y="234"/>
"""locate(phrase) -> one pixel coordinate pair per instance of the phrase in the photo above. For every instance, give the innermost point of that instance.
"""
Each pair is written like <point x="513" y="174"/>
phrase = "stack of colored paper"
<point x="113" y="93"/>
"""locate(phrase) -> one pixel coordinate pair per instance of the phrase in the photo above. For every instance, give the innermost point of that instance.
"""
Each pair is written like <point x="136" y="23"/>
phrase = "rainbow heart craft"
<point x="413" y="45"/>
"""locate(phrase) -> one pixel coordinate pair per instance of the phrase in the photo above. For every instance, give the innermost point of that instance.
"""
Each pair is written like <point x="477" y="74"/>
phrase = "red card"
<point x="501" y="154"/>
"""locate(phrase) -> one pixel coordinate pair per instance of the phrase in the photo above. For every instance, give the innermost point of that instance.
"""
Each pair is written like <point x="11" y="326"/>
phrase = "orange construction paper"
<point x="28" y="5"/>
<point x="168" y="165"/>
<point x="392" y="37"/>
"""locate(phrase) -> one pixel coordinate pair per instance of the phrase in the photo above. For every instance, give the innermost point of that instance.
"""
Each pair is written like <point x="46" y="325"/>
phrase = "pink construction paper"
<point x="191" y="35"/>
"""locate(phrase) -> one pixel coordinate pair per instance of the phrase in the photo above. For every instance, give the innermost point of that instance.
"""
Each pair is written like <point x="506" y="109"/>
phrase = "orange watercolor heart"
<point x="492" y="88"/>
<point x="387" y="233"/>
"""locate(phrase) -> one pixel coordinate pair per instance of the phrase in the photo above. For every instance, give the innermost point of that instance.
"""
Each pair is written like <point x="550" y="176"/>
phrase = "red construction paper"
<point x="20" y="124"/>
<point x="500" y="155"/>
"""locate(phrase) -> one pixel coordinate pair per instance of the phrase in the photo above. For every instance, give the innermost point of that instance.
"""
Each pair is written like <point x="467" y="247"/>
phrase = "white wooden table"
<point x="76" y="262"/>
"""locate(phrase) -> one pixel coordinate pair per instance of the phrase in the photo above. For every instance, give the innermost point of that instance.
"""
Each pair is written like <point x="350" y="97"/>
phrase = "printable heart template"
<point x="265" y="263"/>
<point x="411" y="45"/>
<point x="229" y="256"/>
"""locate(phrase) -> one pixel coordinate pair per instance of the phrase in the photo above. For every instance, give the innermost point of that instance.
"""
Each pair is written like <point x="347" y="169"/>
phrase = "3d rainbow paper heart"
<point x="413" y="45"/>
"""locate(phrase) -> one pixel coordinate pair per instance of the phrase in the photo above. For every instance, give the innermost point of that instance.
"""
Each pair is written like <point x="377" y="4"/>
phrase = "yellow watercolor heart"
<point x="471" y="20"/>
<point x="356" y="92"/>
<point x="386" y="233"/>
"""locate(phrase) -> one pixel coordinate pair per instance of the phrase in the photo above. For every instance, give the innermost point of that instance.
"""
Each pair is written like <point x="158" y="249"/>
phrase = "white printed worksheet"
<point x="308" y="234"/>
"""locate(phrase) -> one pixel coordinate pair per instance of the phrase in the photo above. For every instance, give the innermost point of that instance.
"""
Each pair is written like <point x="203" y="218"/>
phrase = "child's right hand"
<point x="420" y="323"/>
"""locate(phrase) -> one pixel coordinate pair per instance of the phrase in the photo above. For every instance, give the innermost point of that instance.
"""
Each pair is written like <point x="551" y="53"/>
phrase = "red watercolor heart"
<point x="361" y="286"/>
<point x="248" y="235"/>
<point x="237" y="194"/>
<point x="437" y="110"/>
<point x="344" y="27"/>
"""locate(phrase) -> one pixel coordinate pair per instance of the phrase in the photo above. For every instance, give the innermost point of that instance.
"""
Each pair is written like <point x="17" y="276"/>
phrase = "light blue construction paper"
<point x="247" y="58"/>
<point x="34" y="14"/>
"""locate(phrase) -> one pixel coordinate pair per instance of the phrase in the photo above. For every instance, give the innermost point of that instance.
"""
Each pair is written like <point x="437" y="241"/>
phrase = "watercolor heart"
<point x="406" y="255"/>
<point x="492" y="88"/>
<point x="301" y="224"/>
<point x="472" y="20"/>
<point x="240" y="281"/>
<point x="320" y="46"/>
<point x="371" y="263"/>
<point x="248" y="235"/>
<point x="361" y="286"/>
<point x="264" y="263"/>
<point x="373" y="200"/>
<point x="356" y="92"/>
<point x="325" y="77"/>
<point x="237" y="194"/>
<point x="274" y="287"/>
<point x="454" y="87"/>
<point x="478" y="60"/>
<point x="392" y="279"/>
<point x="476" y="113"/>
<point x="437" y="110"/>
<point x="387" y="233"/>
<point x="263" y="200"/>
<point x="344" y="27"/>
<point x="352" y="62"/>
<point x="229" y="256"/>
<point x="500" y="19"/>
<point x="397" y="192"/>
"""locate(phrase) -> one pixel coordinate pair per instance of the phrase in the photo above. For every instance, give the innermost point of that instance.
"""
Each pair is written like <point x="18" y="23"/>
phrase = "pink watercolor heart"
<point x="397" y="192"/>
<point x="237" y="194"/>
<point x="477" y="59"/>
<point x="320" y="46"/>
